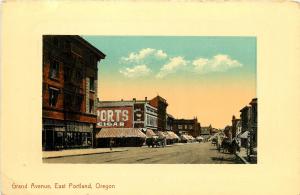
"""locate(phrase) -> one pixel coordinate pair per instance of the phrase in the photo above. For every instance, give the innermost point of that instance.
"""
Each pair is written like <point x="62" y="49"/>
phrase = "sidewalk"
<point x="78" y="152"/>
<point x="243" y="156"/>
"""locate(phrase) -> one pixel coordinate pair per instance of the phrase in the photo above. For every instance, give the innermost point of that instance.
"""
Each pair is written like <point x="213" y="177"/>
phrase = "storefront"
<point x="58" y="135"/>
<point x="120" y="137"/>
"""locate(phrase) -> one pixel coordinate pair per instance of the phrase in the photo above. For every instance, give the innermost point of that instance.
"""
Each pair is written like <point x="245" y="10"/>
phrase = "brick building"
<point x="125" y="122"/>
<point x="187" y="126"/>
<point x="127" y="114"/>
<point x="253" y="122"/>
<point x="235" y="123"/>
<point x="161" y="105"/>
<point x="170" y="122"/>
<point x="69" y="91"/>
<point x="206" y="131"/>
<point x="249" y="123"/>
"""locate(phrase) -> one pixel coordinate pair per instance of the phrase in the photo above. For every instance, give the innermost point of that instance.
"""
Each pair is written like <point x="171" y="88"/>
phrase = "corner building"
<point x="69" y="92"/>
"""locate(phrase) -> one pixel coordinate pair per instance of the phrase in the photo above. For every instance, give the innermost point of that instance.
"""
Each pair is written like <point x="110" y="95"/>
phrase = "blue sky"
<point x="208" y="77"/>
<point x="187" y="50"/>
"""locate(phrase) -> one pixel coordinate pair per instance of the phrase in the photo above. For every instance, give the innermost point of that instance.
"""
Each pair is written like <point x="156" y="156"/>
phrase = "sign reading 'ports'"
<point x="117" y="117"/>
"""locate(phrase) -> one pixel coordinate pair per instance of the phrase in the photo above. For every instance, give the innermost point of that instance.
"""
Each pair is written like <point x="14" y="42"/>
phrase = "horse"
<point x="230" y="146"/>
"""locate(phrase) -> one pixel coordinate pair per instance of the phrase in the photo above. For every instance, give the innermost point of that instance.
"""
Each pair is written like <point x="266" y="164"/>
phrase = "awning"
<point x="172" y="135"/>
<point x="184" y="137"/>
<point x="161" y="134"/>
<point x="150" y="133"/>
<point x="244" y="135"/>
<point x="199" y="138"/>
<point x="187" y="137"/>
<point x="120" y="133"/>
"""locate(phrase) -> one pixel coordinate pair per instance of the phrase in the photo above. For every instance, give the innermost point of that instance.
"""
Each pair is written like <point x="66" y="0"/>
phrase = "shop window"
<point x="92" y="84"/>
<point x="54" y="69"/>
<point x="179" y="126"/>
<point x="53" y="95"/>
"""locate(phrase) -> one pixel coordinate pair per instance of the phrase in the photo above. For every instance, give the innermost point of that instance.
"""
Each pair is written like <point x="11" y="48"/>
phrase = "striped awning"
<point x="173" y="135"/>
<point x="187" y="137"/>
<point x="150" y="133"/>
<point x="120" y="133"/>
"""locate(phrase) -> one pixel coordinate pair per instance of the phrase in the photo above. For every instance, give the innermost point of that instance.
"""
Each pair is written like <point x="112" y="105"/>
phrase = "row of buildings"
<point x="144" y="114"/>
<point x="244" y="129"/>
<point x="73" y="116"/>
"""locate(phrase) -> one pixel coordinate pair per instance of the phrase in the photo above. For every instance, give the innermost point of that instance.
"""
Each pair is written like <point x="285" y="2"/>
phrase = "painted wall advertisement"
<point x="118" y="117"/>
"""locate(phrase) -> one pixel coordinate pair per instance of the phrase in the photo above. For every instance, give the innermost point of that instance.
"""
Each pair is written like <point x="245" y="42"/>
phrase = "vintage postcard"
<point x="159" y="97"/>
<point x="149" y="99"/>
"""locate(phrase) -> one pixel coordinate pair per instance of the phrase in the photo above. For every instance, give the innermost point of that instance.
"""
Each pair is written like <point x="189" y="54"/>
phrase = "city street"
<point x="190" y="153"/>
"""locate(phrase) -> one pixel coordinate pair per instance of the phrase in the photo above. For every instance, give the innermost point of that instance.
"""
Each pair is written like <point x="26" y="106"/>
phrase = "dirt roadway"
<point x="191" y="153"/>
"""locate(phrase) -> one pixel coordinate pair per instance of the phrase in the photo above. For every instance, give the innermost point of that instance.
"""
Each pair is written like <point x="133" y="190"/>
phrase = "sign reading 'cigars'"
<point x="117" y="117"/>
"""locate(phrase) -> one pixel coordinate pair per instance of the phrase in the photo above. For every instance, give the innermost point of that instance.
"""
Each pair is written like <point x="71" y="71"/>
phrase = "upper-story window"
<point x="179" y="126"/>
<point x="53" y="96"/>
<point x="91" y="109"/>
<point x="78" y="102"/>
<point x="54" y="69"/>
<point x="92" y="84"/>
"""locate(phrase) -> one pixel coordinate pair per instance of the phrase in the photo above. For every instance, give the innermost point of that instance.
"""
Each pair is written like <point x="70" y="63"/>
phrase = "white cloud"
<point x="161" y="54"/>
<point x="217" y="63"/>
<point x="136" y="71"/>
<point x="143" y="53"/>
<point x="174" y="64"/>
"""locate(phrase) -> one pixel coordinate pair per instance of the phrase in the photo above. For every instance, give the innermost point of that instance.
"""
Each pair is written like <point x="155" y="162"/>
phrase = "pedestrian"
<point x="111" y="142"/>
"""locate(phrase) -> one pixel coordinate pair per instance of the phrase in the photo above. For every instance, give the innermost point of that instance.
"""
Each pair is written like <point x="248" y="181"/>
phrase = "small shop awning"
<point x="184" y="137"/>
<point x="187" y="137"/>
<point x="244" y="135"/>
<point x="199" y="138"/>
<point x="120" y="133"/>
<point x="172" y="135"/>
<point x="150" y="133"/>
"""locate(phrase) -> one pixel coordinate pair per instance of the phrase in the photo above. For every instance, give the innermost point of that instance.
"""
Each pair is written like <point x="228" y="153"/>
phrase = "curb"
<point x="82" y="154"/>
<point x="242" y="158"/>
